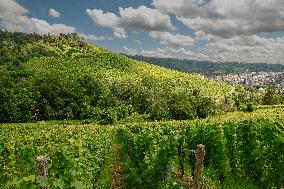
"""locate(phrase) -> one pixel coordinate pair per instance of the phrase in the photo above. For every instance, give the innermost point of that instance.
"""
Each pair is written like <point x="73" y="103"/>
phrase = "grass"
<point x="234" y="182"/>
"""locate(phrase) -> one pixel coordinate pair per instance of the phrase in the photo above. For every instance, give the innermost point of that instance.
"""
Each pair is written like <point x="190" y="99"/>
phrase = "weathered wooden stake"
<point x="42" y="167"/>
<point x="198" y="169"/>
<point x="181" y="158"/>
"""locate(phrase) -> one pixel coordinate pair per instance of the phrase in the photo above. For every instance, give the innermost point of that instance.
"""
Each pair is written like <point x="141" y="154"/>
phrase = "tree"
<point x="268" y="98"/>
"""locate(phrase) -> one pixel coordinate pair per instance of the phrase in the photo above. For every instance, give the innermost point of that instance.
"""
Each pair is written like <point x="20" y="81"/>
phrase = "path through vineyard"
<point x="117" y="168"/>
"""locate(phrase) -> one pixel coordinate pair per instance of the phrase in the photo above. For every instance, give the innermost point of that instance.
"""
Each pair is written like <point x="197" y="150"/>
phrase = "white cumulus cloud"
<point x="227" y="18"/>
<point x="109" y="20"/>
<point x="172" y="40"/>
<point x="53" y="13"/>
<point x="13" y="18"/>
<point x="143" y="18"/>
<point x="252" y="49"/>
<point x="130" y="51"/>
<point x="94" y="37"/>
<point x="161" y="53"/>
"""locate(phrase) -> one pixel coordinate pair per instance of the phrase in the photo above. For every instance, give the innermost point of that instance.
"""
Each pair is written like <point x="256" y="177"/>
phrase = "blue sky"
<point x="75" y="15"/>
<point x="215" y="30"/>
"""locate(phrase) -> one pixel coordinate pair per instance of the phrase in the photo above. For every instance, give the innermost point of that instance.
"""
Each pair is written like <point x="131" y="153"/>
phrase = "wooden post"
<point x="198" y="169"/>
<point x="42" y="167"/>
<point x="181" y="158"/>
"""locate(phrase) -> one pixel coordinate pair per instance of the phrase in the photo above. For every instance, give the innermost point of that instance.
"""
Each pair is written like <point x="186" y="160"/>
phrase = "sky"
<point x="210" y="30"/>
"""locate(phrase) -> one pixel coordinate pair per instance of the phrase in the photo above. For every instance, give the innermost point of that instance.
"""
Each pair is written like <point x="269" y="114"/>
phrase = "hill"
<point x="64" y="77"/>
<point x="210" y="68"/>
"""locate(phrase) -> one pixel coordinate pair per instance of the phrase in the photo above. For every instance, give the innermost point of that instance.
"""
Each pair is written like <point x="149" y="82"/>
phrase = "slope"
<point x="64" y="77"/>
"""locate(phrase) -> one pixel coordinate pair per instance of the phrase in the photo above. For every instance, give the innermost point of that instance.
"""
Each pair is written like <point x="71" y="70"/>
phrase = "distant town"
<point x="254" y="79"/>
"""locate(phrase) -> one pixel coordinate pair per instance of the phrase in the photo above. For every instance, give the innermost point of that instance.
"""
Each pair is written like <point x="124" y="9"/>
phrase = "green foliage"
<point x="247" y="148"/>
<point x="147" y="156"/>
<point x="248" y="108"/>
<point x="77" y="155"/>
<point x="234" y="182"/>
<point x="268" y="97"/>
<point x="241" y="97"/>
<point x="113" y="115"/>
<point x="182" y="106"/>
<point x="272" y="96"/>
<point x="63" y="77"/>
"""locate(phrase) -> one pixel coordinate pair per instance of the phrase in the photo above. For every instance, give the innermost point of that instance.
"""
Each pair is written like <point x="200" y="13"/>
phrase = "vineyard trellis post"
<point x="181" y="158"/>
<point x="42" y="168"/>
<point x="198" y="168"/>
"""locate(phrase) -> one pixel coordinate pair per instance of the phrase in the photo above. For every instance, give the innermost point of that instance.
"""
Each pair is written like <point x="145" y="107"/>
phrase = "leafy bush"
<point x="248" y="108"/>
<point x="112" y="115"/>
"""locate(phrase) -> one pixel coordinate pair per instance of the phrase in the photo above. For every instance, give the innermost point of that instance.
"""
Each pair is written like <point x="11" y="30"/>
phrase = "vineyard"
<point x="243" y="150"/>
<point x="65" y="77"/>
<point x="75" y="115"/>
